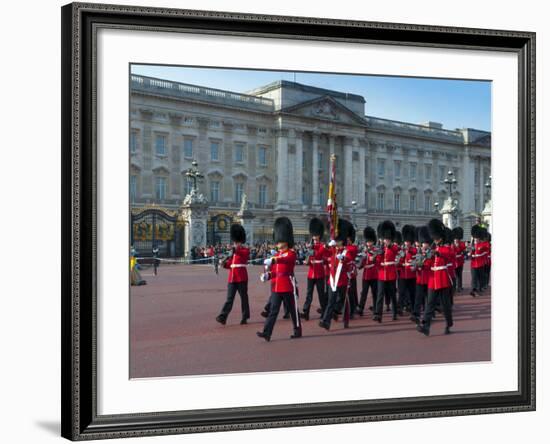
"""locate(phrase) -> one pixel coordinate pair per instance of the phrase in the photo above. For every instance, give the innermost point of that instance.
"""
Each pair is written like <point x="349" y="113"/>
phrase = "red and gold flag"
<point x="332" y="208"/>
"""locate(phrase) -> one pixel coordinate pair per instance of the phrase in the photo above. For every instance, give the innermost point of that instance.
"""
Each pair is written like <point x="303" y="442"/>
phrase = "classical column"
<point x="361" y="179"/>
<point x="282" y="168"/>
<point x="315" y="170"/>
<point x="348" y="171"/>
<point x="331" y="141"/>
<point x="467" y="183"/>
<point x="299" y="166"/>
<point x="481" y="185"/>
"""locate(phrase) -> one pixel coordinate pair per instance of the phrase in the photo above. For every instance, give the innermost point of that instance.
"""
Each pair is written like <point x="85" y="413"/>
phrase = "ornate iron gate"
<point x="218" y="229"/>
<point x="155" y="228"/>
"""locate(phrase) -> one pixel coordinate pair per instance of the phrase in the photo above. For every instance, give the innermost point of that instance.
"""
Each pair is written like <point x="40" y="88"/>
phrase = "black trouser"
<point x="267" y="307"/>
<point x="321" y="293"/>
<point x="477" y="278"/>
<point x="372" y="284"/>
<point x="335" y="298"/>
<point x="232" y="288"/>
<point x="407" y="289"/>
<point x="385" y="289"/>
<point x="421" y="292"/>
<point x="486" y="274"/>
<point x="459" y="277"/>
<point x="275" y="305"/>
<point x="439" y="296"/>
<point x="352" y="297"/>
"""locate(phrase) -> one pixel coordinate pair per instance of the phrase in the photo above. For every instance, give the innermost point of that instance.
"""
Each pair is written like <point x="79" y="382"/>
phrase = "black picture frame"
<point x="80" y="420"/>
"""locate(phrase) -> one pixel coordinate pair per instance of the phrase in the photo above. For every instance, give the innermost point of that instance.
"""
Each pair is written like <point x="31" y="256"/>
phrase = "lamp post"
<point x="450" y="181"/>
<point x="487" y="213"/>
<point x="488" y="189"/>
<point x="436" y="207"/>
<point x="353" y="208"/>
<point x="194" y="174"/>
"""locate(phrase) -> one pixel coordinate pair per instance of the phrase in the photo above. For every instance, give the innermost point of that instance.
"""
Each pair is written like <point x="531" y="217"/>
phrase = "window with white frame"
<point x="160" y="144"/>
<point x="214" y="191"/>
<point x="381" y="167"/>
<point x="239" y="188"/>
<point x="188" y="148"/>
<point x="380" y="201"/>
<point x="214" y="150"/>
<point x="428" y="172"/>
<point x="397" y="201"/>
<point x="262" y="156"/>
<point x="160" y="188"/>
<point x="412" y="202"/>
<point x="397" y="169"/>
<point x="262" y="195"/>
<point x="239" y="152"/>
<point x="133" y="187"/>
<point x="427" y="203"/>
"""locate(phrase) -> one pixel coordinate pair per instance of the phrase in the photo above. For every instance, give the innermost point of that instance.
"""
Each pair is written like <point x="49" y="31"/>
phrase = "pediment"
<point x="325" y="108"/>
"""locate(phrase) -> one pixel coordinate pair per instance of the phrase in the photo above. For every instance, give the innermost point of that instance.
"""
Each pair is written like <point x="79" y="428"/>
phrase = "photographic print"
<point x="284" y="221"/>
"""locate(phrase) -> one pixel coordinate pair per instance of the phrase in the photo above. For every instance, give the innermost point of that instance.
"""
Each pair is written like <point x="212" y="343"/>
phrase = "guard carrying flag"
<point x="316" y="272"/>
<point x="441" y="293"/>
<point x="237" y="279"/>
<point x="283" y="282"/>
<point x="338" y="276"/>
<point x="387" y="270"/>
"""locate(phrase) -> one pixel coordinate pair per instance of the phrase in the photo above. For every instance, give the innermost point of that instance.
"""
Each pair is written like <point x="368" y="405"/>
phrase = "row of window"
<point x="161" y="149"/>
<point x="161" y="190"/>
<point x="413" y="170"/>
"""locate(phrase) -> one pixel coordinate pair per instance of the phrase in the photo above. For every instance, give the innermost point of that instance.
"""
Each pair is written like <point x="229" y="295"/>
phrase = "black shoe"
<point x="295" y="335"/>
<point x="261" y="334"/>
<point x="447" y="330"/>
<point x="377" y="318"/>
<point x="324" y="325"/>
<point x="244" y="321"/>
<point x="305" y="315"/>
<point x="286" y="316"/>
<point x="414" y="319"/>
<point x="473" y="293"/>
<point x="423" y="329"/>
<point x="319" y="311"/>
<point x="394" y="317"/>
<point x="264" y="314"/>
<point x="334" y="316"/>
<point x="371" y="308"/>
<point x="221" y="319"/>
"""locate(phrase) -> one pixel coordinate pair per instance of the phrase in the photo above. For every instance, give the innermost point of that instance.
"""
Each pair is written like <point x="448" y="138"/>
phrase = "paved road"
<point x="173" y="331"/>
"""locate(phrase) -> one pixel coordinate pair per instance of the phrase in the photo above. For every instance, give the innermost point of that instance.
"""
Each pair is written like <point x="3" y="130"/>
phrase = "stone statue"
<point x="244" y="203"/>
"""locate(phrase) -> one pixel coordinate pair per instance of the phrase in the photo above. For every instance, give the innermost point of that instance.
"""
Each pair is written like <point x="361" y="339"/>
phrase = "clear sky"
<point x="454" y="103"/>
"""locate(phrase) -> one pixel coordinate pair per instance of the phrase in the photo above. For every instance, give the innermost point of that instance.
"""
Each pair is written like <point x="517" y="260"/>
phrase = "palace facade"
<point x="274" y="144"/>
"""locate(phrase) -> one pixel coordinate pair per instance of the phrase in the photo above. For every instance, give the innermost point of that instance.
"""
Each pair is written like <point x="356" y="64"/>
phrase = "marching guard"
<point x="387" y="270"/>
<point x="283" y="282"/>
<point x="316" y="272"/>
<point x="479" y="259"/>
<point x="370" y="270"/>
<point x="440" y="279"/>
<point x="460" y="250"/>
<point x="407" y="276"/>
<point x="237" y="278"/>
<point x="423" y="267"/>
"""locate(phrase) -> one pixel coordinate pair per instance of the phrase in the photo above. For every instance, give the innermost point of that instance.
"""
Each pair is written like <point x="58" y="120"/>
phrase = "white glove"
<point x="332" y="243"/>
<point x="340" y="256"/>
<point x="273" y="252"/>
<point x="268" y="261"/>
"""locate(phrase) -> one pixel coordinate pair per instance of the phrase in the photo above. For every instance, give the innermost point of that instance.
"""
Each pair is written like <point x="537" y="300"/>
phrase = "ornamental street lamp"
<point x="488" y="189"/>
<point x="450" y="181"/>
<point x="194" y="174"/>
<point x="436" y="207"/>
<point x="353" y="208"/>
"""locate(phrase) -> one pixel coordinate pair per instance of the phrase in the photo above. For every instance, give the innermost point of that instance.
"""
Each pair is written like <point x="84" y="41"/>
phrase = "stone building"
<point x="274" y="144"/>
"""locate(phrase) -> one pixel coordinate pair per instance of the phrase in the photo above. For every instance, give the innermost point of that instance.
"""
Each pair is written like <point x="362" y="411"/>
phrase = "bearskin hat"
<point x="369" y="234"/>
<point x="316" y="227"/>
<point x="458" y="233"/>
<point x="484" y="234"/>
<point x="345" y="229"/>
<point x="237" y="233"/>
<point x="424" y="235"/>
<point x="448" y="236"/>
<point x="477" y="231"/>
<point x="386" y="230"/>
<point x="408" y="233"/>
<point x="436" y="229"/>
<point x="398" y="238"/>
<point x="283" y="232"/>
<point x="351" y="232"/>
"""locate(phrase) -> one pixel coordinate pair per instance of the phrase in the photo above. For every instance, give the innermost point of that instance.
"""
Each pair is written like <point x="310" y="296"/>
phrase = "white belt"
<point x="479" y="255"/>
<point x="444" y="267"/>
<point x="315" y="262"/>
<point x="386" y="264"/>
<point x="458" y="255"/>
<point x="450" y="265"/>
<point x="369" y="266"/>
<point x="238" y="265"/>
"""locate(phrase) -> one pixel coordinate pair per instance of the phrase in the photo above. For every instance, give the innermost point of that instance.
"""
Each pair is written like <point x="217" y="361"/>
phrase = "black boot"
<point x="221" y="319"/>
<point x="423" y="329"/>
<point x="261" y="334"/>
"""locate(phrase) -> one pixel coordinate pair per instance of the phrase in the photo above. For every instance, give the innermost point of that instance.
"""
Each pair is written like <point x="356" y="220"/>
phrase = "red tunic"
<point x="237" y="265"/>
<point x="351" y="252"/>
<point x="407" y="271"/>
<point x="368" y="264"/>
<point x="460" y="248"/>
<point x="451" y="266"/>
<point x="479" y="256"/>
<point x="387" y="268"/>
<point x="316" y="262"/>
<point x="281" y="271"/>
<point x="333" y="266"/>
<point x="440" y="269"/>
<point x="423" y="273"/>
